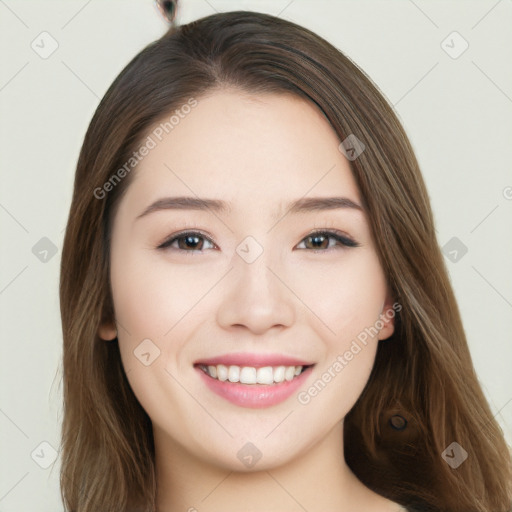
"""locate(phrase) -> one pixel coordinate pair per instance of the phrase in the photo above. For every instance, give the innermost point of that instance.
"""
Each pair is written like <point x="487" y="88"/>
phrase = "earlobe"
<point x="387" y="319"/>
<point x="107" y="331"/>
<point x="107" y="328"/>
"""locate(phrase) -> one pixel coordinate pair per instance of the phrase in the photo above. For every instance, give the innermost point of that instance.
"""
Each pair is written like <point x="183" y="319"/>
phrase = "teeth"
<point x="265" y="375"/>
<point x="250" y="375"/>
<point x="289" y="373"/>
<point x="222" y="372"/>
<point x="279" y="374"/>
<point x="234" y="374"/>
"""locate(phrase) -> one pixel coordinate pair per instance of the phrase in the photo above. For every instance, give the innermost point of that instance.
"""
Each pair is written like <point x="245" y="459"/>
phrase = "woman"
<point x="256" y="313"/>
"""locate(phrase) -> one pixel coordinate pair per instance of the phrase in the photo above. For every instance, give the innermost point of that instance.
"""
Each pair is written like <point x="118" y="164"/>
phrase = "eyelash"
<point x="339" y="236"/>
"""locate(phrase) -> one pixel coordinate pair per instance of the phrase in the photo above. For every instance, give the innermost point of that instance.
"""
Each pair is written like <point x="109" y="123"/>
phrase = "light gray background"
<point x="457" y="112"/>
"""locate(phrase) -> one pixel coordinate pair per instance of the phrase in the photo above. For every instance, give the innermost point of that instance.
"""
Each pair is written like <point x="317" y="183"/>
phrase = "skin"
<point x="257" y="152"/>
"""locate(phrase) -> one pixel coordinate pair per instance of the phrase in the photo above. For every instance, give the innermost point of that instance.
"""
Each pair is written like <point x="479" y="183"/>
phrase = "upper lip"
<point x="253" y="360"/>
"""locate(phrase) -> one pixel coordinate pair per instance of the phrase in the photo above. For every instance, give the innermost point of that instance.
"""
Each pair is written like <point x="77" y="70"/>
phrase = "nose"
<point x="255" y="297"/>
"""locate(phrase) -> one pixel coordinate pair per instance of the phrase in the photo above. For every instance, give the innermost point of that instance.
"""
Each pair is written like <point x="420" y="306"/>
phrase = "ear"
<point x="107" y="330"/>
<point x="387" y="317"/>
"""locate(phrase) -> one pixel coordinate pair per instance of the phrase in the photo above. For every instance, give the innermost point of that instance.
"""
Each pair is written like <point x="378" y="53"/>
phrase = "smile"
<point x="269" y="375"/>
<point x="253" y="387"/>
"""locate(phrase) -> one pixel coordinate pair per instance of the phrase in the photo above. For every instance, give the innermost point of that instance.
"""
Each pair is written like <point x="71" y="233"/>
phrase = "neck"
<point x="315" y="480"/>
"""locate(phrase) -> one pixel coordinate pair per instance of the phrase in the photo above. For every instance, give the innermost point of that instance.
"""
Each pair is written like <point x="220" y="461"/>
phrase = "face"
<point x="286" y="299"/>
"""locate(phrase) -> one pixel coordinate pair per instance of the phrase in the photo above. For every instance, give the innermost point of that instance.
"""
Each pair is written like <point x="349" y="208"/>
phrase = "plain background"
<point x="456" y="111"/>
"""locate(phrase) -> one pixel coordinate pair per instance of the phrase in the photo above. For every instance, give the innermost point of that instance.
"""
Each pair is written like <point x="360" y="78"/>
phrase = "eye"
<point x="188" y="241"/>
<point x="192" y="241"/>
<point x="322" y="240"/>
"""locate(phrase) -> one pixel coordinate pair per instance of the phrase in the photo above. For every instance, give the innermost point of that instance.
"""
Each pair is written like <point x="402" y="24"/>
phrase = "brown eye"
<point x="190" y="242"/>
<point x="318" y="242"/>
<point x="186" y="242"/>
<point x="323" y="240"/>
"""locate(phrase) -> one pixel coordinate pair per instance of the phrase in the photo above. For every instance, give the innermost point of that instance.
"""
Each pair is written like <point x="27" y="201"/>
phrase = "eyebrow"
<point x="302" y="205"/>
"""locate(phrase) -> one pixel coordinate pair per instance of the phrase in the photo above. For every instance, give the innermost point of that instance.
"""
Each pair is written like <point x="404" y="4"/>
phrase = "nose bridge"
<point x="255" y="264"/>
<point x="256" y="273"/>
<point x="255" y="297"/>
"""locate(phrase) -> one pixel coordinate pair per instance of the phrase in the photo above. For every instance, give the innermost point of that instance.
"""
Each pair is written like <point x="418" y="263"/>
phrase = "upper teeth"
<point x="251" y="375"/>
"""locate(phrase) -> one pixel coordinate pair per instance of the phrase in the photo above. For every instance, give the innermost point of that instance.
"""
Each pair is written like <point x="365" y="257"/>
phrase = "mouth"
<point x="251" y="375"/>
<point x="268" y="382"/>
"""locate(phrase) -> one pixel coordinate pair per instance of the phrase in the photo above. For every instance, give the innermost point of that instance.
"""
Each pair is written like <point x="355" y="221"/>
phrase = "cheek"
<point x="153" y="297"/>
<point x="154" y="306"/>
<point x="346" y="294"/>
<point x="161" y="302"/>
<point x="347" y="297"/>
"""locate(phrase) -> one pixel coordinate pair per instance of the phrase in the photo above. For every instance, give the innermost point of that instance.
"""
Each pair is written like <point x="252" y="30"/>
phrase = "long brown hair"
<point x="423" y="373"/>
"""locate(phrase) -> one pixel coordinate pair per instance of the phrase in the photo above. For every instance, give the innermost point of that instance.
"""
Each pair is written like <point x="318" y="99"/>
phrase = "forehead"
<point x="261" y="150"/>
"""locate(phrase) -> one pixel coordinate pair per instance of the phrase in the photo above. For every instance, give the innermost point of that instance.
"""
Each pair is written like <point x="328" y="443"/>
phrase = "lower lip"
<point x="253" y="395"/>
